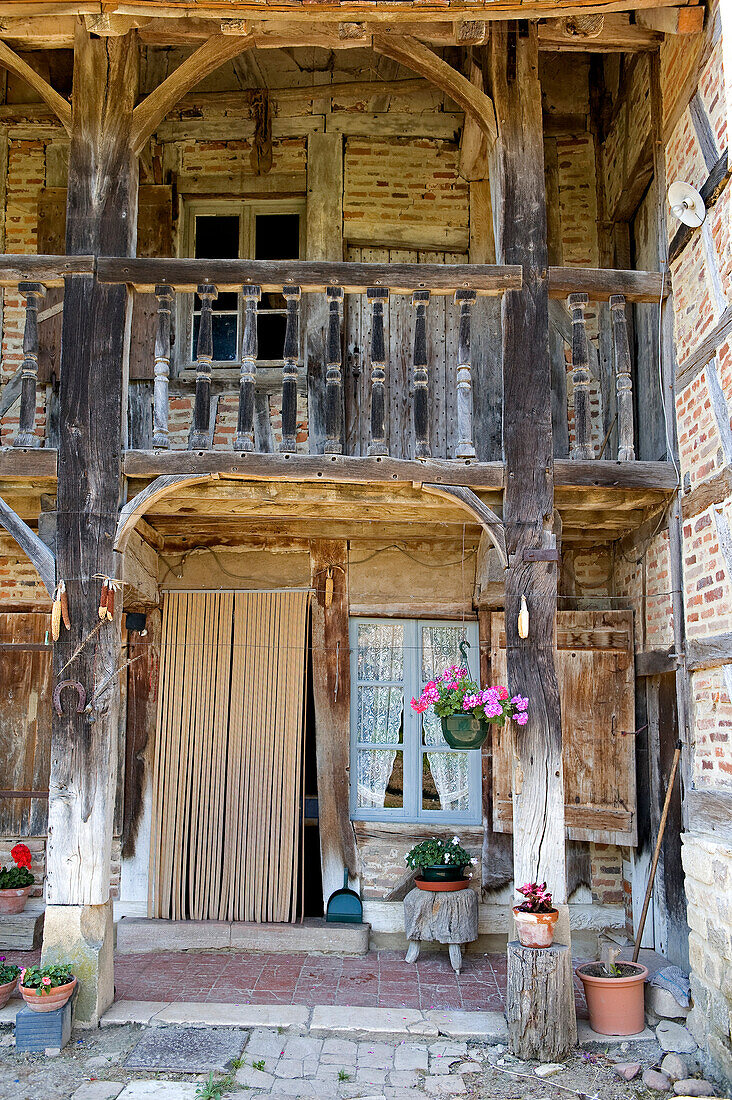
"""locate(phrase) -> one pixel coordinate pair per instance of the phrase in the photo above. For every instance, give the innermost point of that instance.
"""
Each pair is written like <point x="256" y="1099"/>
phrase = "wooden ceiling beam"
<point x="16" y="65"/>
<point x="685" y="20"/>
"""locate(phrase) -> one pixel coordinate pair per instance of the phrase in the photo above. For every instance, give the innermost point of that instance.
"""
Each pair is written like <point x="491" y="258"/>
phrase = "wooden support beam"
<point x="331" y="677"/>
<point x="421" y="59"/>
<point x="617" y="34"/>
<point x="710" y="812"/>
<point x="16" y="65"/>
<point x="205" y="60"/>
<point x="683" y="20"/>
<point x="486" y="517"/>
<point x="712" y="652"/>
<point x="528" y="508"/>
<point x="36" y="550"/>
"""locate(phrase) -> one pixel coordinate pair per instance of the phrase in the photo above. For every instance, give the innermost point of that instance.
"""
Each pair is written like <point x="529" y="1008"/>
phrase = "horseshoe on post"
<point x="80" y="690"/>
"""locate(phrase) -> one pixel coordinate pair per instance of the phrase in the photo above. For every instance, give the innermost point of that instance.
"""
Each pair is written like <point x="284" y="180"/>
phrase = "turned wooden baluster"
<point x="465" y="446"/>
<point x="247" y="379"/>
<point x="334" y="374"/>
<point x="580" y="378"/>
<point x="26" y="437"/>
<point x="200" y="435"/>
<point x="378" y="295"/>
<point x="420" y="378"/>
<point x="289" y="370"/>
<point x="623" y="383"/>
<point x="165" y="295"/>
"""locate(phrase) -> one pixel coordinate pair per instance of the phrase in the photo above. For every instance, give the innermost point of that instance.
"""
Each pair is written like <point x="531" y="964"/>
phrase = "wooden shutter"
<point x="154" y="238"/>
<point x="594" y="662"/>
<point x="25" y="721"/>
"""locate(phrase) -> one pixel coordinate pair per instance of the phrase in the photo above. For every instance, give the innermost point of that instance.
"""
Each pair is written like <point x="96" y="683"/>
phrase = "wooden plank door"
<point x="594" y="662"/>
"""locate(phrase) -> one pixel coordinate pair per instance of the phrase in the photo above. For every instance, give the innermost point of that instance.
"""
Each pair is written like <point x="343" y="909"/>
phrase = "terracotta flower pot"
<point x="13" y="901"/>
<point x="47" y="1002"/>
<point x="535" y="929"/>
<point x="615" y="1005"/>
<point x="6" y="992"/>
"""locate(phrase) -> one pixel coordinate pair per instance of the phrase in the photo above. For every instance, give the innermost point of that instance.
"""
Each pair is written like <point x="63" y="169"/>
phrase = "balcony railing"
<point x="325" y="287"/>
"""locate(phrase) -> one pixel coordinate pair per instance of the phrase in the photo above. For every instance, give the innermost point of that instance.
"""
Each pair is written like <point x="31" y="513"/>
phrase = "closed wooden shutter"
<point x="25" y="721"/>
<point x="154" y="238"/>
<point x="594" y="662"/>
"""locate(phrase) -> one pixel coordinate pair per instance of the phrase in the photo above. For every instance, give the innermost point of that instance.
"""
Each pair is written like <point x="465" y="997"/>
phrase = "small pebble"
<point x="627" y="1070"/>
<point x="548" y="1069"/>
<point x="674" y="1066"/>
<point x="693" y="1087"/>
<point x="654" y="1079"/>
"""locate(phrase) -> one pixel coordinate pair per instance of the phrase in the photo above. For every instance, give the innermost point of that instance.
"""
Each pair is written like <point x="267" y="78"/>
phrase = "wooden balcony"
<point x="603" y="498"/>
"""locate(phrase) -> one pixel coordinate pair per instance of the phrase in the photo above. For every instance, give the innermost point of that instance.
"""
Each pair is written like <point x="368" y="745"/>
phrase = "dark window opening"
<point x="217" y="238"/>
<point x="276" y="237"/>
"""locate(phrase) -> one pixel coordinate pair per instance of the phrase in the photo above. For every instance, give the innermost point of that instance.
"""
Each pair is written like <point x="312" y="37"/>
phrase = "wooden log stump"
<point x="449" y="917"/>
<point x="539" y="1002"/>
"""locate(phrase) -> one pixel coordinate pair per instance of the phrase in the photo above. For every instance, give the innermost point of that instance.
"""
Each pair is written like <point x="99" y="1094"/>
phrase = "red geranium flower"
<point x="21" y="855"/>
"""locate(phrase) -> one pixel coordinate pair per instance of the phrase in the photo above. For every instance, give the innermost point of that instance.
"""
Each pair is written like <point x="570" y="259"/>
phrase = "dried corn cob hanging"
<point x="104" y="599"/>
<point x="110" y="599"/>
<point x="329" y="587"/>
<point x="56" y="615"/>
<point x="64" y="599"/>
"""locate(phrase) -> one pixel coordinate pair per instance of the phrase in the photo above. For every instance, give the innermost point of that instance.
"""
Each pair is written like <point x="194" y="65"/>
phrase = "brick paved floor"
<point x="380" y="979"/>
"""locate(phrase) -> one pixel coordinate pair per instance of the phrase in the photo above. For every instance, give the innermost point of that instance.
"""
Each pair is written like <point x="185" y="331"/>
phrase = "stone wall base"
<point x="83" y="936"/>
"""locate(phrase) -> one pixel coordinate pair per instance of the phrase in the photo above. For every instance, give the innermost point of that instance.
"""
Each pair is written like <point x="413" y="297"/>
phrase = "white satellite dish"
<point x="687" y="204"/>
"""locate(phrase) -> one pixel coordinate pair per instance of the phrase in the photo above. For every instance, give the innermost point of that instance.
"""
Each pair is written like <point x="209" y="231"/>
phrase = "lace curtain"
<point x="380" y="709"/>
<point x="449" y="769"/>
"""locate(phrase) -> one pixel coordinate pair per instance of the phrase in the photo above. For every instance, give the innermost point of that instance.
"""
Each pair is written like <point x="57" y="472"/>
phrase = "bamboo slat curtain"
<point x="228" y="763"/>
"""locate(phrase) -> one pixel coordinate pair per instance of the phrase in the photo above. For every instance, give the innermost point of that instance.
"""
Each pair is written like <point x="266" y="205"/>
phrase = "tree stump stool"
<point x="540" y="1002"/>
<point x="449" y="916"/>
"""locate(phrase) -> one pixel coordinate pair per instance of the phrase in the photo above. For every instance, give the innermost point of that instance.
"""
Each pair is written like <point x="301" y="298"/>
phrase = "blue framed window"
<point x="401" y="767"/>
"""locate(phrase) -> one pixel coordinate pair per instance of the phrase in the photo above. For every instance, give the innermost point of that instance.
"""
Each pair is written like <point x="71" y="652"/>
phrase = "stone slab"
<point x="158" y="1090"/>
<point x="585" y="1034"/>
<point x="141" y="935"/>
<point x="489" y="1026"/>
<point x="132" y="1012"/>
<point x="364" y="1021"/>
<point x="43" y="1031"/>
<point x="98" y="1090"/>
<point x="186" y="1049"/>
<point x="286" y="1017"/>
<point x="138" y="935"/>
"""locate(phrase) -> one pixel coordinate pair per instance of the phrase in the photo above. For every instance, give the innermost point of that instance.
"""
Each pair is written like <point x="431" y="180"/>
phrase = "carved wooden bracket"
<point x="486" y="517"/>
<point x="36" y="550"/>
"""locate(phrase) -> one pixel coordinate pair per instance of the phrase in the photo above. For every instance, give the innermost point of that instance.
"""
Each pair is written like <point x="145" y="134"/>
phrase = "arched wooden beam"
<point x="214" y="53"/>
<point x="486" y="517"/>
<point x="137" y="507"/>
<point x="61" y="107"/>
<point x="414" y="55"/>
<point x="36" y="550"/>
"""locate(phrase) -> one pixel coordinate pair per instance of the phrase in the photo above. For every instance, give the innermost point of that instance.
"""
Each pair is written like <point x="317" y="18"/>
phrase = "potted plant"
<point x="615" y="996"/>
<point x="45" y="988"/>
<point x="536" y="916"/>
<point x="8" y="980"/>
<point x="439" y="861"/>
<point x="16" y="882"/>
<point x="467" y="711"/>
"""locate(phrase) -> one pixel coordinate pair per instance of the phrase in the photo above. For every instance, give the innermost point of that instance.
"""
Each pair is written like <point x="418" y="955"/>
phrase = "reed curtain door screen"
<point x="228" y="756"/>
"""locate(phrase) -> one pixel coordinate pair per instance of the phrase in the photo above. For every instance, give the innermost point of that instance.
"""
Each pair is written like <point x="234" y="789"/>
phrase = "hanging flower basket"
<point x="465" y="710"/>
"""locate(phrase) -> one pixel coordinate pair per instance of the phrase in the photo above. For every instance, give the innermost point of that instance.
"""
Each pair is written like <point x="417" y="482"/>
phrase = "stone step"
<point x="138" y="935"/>
<point x="22" y="931"/>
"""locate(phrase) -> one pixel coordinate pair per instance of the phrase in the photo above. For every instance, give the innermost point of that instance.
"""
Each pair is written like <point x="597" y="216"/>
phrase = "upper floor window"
<point x="237" y="229"/>
<point x="401" y="767"/>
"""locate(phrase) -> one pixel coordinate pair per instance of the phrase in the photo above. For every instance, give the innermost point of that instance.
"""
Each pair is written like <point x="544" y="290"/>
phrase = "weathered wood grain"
<point x="542" y="1028"/>
<point x="49" y="270"/>
<point x="331" y="673"/>
<point x="37" y="551"/>
<point x="16" y="65"/>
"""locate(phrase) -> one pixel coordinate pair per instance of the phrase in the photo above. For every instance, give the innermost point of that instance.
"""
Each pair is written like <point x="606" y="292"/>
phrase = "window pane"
<point x="277" y="237"/>
<point x="224" y="337"/>
<point x="380" y="779"/>
<point x="440" y="649"/>
<point x="445" y="781"/>
<point x="217" y="237"/>
<point x="380" y="651"/>
<point x="432" y="729"/>
<point x="270" y="335"/>
<point x="380" y="715"/>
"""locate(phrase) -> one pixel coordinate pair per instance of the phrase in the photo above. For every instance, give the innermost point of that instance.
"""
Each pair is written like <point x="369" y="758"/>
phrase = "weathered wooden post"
<point x="333" y="375"/>
<point x="289" y="371"/>
<point x="199" y="437"/>
<point x="582" y="448"/>
<point x="536" y="1028"/>
<point x="248" y="378"/>
<point x="465" y="445"/>
<point x="26" y="437"/>
<point x="623" y="382"/>
<point x="101" y="220"/>
<point x="165" y="296"/>
<point x="378" y="296"/>
<point x="420" y="377"/>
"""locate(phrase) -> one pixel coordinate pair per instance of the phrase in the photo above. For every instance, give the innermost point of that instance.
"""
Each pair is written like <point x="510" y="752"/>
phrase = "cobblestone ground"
<point x="281" y="1066"/>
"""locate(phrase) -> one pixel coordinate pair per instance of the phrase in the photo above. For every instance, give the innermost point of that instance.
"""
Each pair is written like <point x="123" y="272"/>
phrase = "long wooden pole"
<point x="657" y="853"/>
